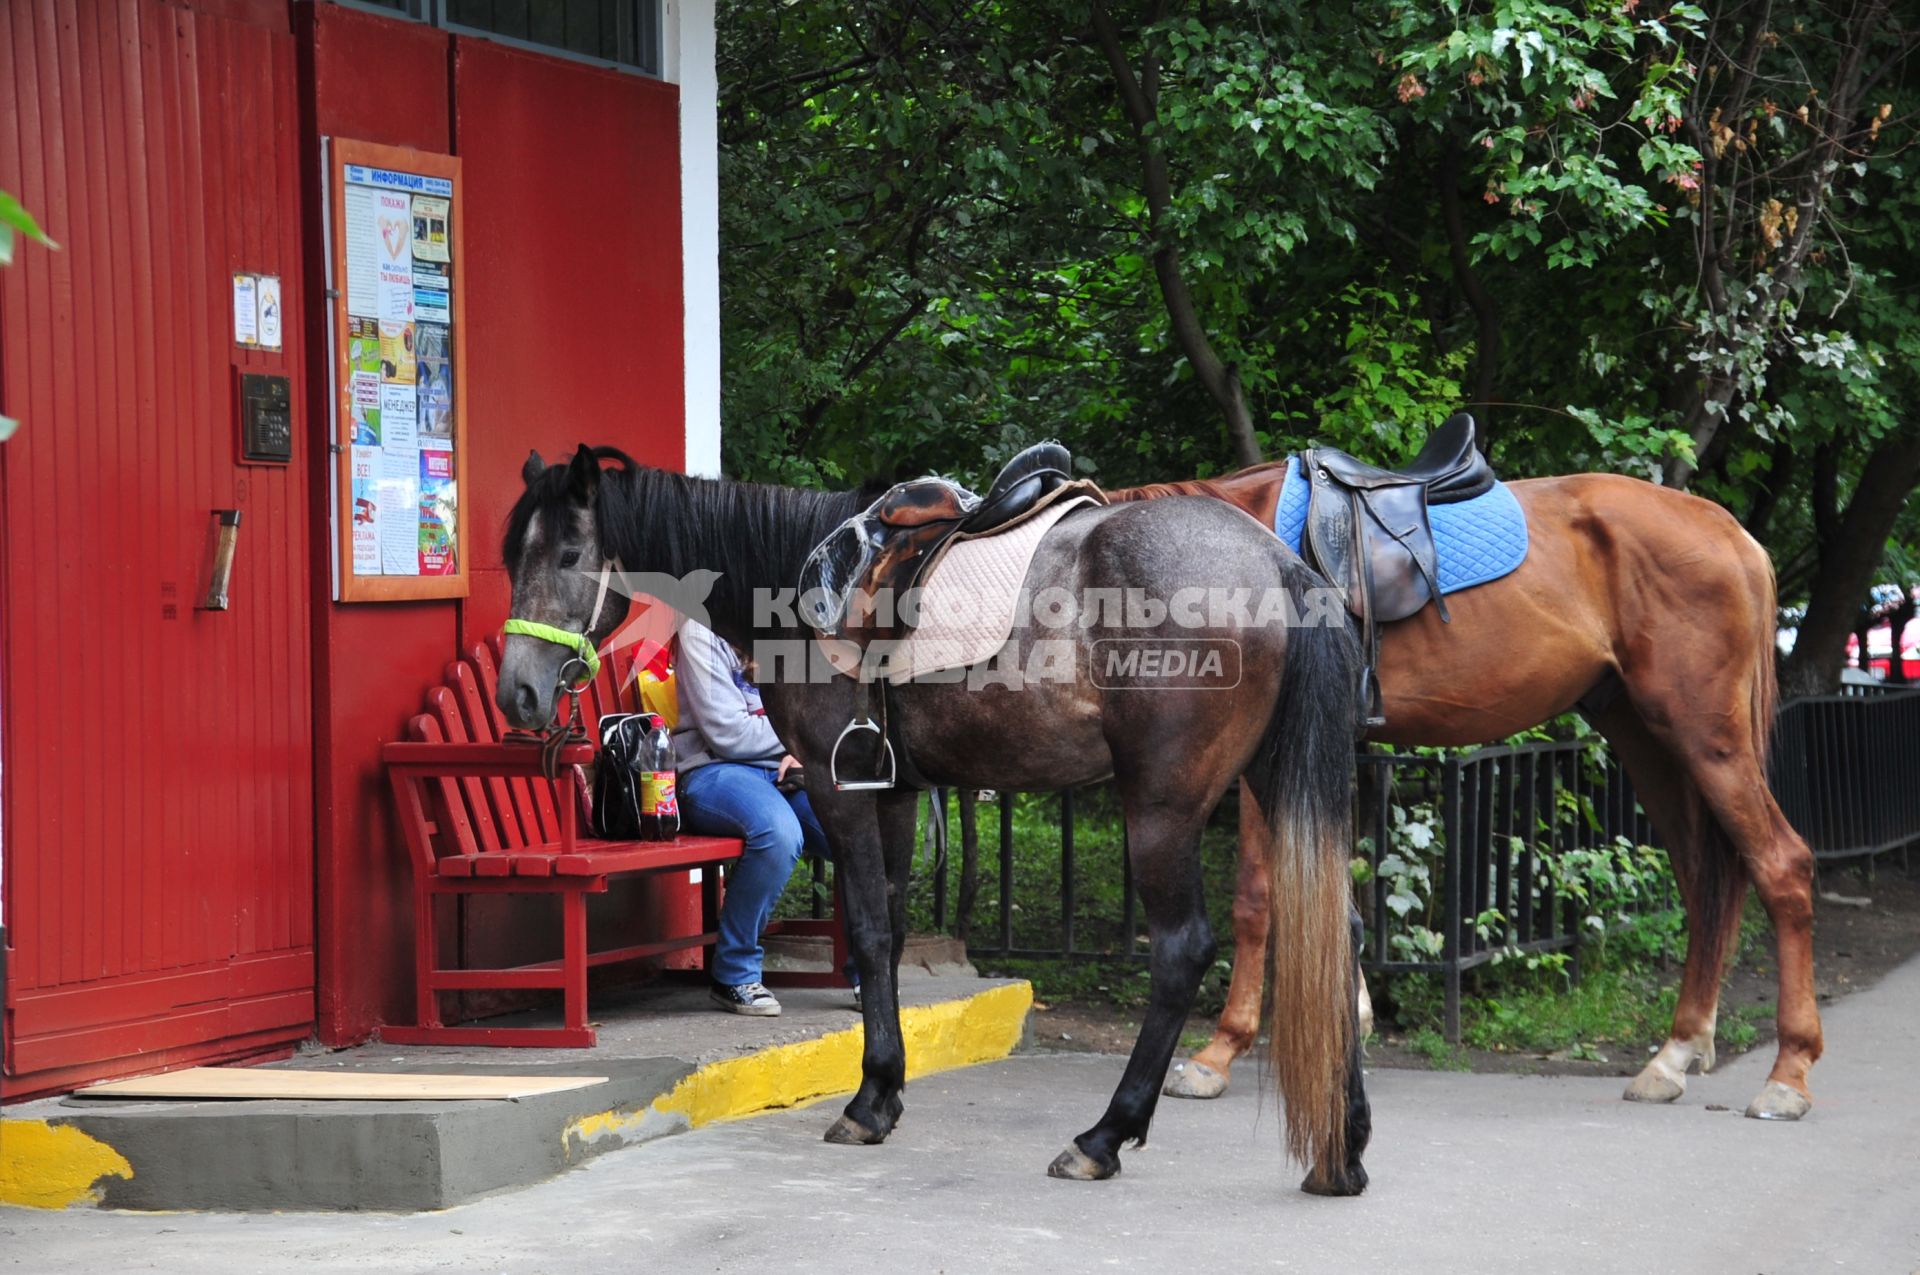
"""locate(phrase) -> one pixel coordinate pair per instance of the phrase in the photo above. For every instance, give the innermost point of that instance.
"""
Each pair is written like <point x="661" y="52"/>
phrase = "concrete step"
<point x="671" y="1062"/>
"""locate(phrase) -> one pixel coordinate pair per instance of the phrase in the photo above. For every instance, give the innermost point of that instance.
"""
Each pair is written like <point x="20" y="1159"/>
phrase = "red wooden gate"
<point x="158" y="817"/>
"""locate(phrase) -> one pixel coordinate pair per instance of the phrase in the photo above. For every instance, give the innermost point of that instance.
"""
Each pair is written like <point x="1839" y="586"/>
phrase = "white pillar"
<point x="687" y="40"/>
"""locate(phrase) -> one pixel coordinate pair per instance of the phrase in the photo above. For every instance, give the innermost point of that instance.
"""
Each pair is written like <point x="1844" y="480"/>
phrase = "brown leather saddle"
<point x="854" y="583"/>
<point x="1369" y="534"/>
<point x="851" y="579"/>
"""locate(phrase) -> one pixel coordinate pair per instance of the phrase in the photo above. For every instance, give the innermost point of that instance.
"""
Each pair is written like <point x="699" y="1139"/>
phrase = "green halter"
<point x="575" y="642"/>
<point x="578" y="643"/>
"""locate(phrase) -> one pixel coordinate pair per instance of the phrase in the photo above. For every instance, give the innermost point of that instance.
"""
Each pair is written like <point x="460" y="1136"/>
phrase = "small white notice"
<point x="246" y="309"/>
<point x="268" y="329"/>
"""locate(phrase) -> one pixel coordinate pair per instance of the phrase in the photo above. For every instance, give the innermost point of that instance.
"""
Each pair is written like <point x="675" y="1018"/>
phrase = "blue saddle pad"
<point x="1475" y="540"/>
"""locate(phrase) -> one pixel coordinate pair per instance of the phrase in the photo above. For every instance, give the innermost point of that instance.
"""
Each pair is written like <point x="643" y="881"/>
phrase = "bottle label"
<point x="649" y="792"/>
<point x="666" y="794"/>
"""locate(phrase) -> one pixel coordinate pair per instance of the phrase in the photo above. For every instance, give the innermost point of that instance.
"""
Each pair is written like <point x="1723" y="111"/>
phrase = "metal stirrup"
<point x="890" y="773"/>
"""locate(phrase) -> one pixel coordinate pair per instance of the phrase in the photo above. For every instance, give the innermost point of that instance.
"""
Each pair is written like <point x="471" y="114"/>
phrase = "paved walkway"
<point x="1471" y="1174"/>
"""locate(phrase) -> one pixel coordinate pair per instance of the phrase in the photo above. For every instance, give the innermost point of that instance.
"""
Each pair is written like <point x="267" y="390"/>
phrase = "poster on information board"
<point x="394" y="260"/>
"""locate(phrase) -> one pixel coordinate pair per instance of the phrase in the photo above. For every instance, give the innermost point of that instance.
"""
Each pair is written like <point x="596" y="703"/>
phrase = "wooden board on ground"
<point x="352" y="1086"/>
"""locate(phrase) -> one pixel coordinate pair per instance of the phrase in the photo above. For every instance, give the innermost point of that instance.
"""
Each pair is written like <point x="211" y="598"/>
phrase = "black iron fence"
<point x="1464" y="856"/>
<point x="1846" y="771"/>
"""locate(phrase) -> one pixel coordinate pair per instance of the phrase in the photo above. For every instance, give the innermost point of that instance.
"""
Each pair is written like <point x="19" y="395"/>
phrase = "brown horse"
<point x="1653" y="611"/>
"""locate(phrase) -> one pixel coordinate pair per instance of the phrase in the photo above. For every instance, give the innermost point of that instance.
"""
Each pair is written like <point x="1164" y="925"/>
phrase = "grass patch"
<point x="1434" y="1047"/>
<point x="1740" y="1025"/>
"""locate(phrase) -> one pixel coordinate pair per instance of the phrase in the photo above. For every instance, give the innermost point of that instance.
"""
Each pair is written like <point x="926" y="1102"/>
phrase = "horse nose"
<point x="526" y="703"/>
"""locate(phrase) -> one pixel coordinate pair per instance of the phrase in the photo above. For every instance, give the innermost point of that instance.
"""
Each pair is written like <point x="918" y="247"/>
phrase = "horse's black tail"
<point x="1303" y="778"/>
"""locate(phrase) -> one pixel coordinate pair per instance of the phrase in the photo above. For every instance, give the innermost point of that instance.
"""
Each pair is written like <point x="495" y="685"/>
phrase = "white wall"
<point x="688" y="54"/>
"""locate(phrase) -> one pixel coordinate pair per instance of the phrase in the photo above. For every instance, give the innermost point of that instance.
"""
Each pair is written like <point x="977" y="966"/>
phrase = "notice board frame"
<point x="350" y="586"/>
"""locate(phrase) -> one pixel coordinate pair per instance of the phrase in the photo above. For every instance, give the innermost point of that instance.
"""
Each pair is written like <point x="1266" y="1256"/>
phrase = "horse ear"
<point x="532" y="469"/>
<point x="583" y="475"/>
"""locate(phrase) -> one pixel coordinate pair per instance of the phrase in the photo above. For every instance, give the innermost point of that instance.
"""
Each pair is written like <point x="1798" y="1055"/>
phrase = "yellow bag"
<point x="656" y="696"/>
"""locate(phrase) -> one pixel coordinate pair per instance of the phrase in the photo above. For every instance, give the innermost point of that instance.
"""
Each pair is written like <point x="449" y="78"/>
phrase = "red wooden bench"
<point x="479" y="818"/>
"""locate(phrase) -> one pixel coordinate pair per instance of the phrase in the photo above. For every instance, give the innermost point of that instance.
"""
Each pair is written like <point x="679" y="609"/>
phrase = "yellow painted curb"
<point x="939" y="1037"/>
<point x="49" y="1166"/>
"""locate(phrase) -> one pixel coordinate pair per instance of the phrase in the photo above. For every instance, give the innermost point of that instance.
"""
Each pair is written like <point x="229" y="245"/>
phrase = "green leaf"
<point x="16" y="218"/>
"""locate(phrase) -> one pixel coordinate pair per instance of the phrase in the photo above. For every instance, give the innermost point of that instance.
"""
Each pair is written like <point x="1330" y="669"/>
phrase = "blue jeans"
<point x="731" y="799"/>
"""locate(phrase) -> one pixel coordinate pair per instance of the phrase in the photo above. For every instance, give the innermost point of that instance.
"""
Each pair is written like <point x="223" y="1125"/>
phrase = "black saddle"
<point x="1368" y="530"/>
<point x="890" y="544"/>
<point x="1449" y="467"/>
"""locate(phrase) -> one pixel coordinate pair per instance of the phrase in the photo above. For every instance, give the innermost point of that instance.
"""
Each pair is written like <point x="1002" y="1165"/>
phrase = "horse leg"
<point x="1164" y="845"/>
<point x="1713" y="887"/>
<point x="1718" y="754"/>
<point x="1205" y="1075"/>
<point x="1781" y="867"/>
<point x="864" y="833"/>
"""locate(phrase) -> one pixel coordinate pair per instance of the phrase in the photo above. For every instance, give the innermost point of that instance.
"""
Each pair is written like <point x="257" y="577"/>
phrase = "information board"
<point x="399" y="372"/>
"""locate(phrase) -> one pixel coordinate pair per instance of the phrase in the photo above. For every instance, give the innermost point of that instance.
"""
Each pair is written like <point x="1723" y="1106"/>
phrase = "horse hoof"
<point x="1779" y="1102"/>
<point x="1077" y="1165"/>
<point x="849" y="1132"/>
<point x="1654" y="1085"/>
<point x="1352" y="1182"/>
<point x="1192" y="1079"/>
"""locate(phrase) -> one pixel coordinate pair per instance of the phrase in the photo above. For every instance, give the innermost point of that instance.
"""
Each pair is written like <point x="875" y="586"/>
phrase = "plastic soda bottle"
<point x="645" y="782"/>
<point x="663" y="780"/>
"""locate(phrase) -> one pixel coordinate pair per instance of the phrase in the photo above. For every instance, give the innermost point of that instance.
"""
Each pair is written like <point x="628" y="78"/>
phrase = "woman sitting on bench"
<point x="731" y="771"/>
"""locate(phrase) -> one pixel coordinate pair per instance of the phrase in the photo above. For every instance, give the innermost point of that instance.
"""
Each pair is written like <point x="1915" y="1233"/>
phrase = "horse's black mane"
<point x="656" y="520"/>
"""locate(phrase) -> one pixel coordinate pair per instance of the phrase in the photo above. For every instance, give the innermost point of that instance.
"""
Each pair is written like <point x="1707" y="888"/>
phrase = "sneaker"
<point x="747" y="998"/>
<point x="856" y="997"/>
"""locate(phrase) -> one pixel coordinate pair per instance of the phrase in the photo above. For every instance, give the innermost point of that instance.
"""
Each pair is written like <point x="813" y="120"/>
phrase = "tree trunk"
<point x="1848" y="560"/>
<point x="1139" y="96"/>
<point x="1486" y="347"/>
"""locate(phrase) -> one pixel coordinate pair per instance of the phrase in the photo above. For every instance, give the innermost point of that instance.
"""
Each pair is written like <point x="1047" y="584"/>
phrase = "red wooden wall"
<point x="158" y="823"/>
<point x="195" y="824"/>
<point x="574" y="334"/>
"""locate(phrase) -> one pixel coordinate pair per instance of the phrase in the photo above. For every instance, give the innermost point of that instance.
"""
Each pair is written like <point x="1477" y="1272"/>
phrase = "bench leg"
<point x="426" y="947"/>
<point x="573" y="905"/>
<point x="709" y="913"/>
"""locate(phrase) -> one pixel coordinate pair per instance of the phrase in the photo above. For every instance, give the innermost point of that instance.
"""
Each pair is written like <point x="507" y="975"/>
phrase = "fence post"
<point x="1006" y="872"/>
<point x="1066" y="869"/>
<point x="1450" y="918"/>
<point x="937" y="833"/>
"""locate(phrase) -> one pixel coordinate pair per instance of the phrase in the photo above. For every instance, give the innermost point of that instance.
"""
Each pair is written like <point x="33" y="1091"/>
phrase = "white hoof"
<point x="1664" y="1078"/>
<point x="1655" y="1084"/>
<point x="1192" y="1079"/>
<point x="1779" y="1102"/>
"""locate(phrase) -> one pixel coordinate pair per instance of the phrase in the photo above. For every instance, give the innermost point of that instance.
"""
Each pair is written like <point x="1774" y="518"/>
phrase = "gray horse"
<point x="1284" y="716"/>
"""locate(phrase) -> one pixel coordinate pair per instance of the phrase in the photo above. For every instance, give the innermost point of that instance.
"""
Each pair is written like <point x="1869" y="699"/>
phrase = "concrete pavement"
<point x="1470" y="1174"/>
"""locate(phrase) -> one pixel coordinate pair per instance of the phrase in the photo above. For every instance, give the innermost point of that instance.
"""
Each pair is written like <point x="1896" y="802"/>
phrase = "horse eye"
<point x="571" y="558"/>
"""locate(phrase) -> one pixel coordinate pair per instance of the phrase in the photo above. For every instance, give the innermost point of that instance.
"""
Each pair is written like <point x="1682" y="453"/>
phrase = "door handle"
<point x="226" y="538"/>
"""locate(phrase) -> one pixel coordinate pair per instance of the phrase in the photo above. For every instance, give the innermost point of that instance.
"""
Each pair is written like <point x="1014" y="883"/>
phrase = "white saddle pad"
<point x="968" y="603"/>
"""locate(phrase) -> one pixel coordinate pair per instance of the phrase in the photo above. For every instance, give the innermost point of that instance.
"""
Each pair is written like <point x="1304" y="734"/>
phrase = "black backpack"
<point x="616" y="784"/>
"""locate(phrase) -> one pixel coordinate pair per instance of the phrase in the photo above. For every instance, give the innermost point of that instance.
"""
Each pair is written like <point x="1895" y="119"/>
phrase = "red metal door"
<point x="158" y="814"/>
